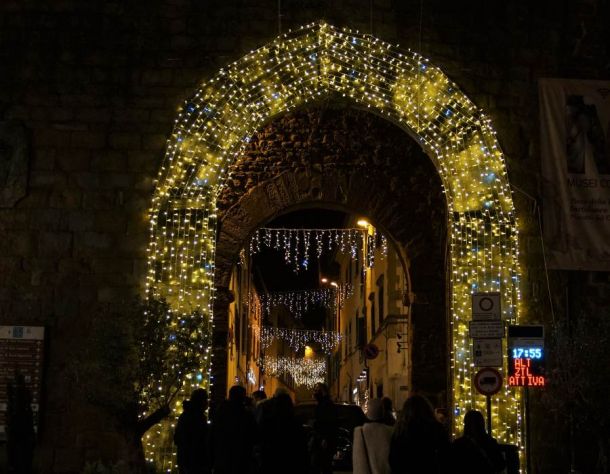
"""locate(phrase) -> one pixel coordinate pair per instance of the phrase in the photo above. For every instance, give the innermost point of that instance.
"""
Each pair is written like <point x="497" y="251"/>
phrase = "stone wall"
<point x="97" y="86"/>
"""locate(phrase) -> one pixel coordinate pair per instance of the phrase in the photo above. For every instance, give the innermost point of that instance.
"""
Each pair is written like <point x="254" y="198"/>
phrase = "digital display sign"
<point x="526" y="356"/>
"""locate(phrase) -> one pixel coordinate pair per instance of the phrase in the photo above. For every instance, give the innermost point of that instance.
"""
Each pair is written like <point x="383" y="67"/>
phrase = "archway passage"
<point x="332" y="157"/>
<point x="306" y="65"/>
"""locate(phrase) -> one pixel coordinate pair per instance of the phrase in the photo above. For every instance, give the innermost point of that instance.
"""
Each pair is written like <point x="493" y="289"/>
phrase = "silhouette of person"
<point x="476" y="452"/>
<point x="260" y="398"/>
<point x="283" y="441"/>
<point x="233" y="435"/>
<point x="20" y="427"/>
<point x="388" y="411"/>
<point x="325" y="428"/>
<point x="191" y="435"/>
<point x="419" y="444"/>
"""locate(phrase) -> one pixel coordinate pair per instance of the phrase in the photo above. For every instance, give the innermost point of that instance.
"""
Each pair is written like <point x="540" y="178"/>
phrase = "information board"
<point x="21" y="351"/>
<point x="486" y="329"/>
<point x="487" y="352"/>
<point x="526" y="356"/>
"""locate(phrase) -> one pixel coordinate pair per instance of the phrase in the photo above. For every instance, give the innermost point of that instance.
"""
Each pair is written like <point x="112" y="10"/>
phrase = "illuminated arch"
<point x="316" y="61"/>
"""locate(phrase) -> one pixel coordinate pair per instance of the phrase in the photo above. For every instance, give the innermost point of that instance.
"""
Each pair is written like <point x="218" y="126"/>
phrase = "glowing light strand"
<point x="300" y="246"/>
<point x="297" y="339"/>
<point x="301" y="67"/>
<point x="304" y="371"/>
<point x="301" y="301"/>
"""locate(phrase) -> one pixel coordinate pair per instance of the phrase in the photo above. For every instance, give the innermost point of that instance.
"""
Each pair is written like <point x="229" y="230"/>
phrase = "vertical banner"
<point x="575" y="146"/>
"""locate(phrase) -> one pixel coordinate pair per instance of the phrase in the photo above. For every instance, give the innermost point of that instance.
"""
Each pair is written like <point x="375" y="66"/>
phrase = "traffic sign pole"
<point x="488" y="382"/>
<point x="488" y="414"/>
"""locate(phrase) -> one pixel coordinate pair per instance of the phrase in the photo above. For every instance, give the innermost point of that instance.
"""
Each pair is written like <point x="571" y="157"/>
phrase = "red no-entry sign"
<point x="371" y="351"/>
<point x="488" y="381"/>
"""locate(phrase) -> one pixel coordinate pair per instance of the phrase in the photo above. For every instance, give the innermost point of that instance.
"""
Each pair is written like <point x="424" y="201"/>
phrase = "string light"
<point x="301" y="245"/>
<point x="301" y="67"/>
<point x="303" y="371"/>
<point x="297" y="339"/>
<point x="300" y="302"/>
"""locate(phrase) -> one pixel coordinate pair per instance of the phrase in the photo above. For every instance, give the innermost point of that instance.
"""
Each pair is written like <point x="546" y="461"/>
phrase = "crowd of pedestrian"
<point x="263" y="435"/>
<point x="419" y="443"/>
<point x="254" y="435"/>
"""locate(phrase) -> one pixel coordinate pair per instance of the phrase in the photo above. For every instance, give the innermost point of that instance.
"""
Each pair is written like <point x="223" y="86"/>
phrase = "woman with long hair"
<point x="419" y="444"/>
<point x="476" y="452"/>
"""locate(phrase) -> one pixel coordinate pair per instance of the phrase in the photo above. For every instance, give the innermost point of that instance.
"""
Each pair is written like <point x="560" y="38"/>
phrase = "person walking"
<point x="419" y="444"/>
<point x="371" y="447"/>
<point x="233" y="435"/>
<point x="476" y="452"/>
<point x="388" y="411"/>
<point x="283" y="442"/>
<point x="21" y="437"/>
<point x="325" y="426"/>
<point x="191" y="435"/>
<point x="259" y="397"/>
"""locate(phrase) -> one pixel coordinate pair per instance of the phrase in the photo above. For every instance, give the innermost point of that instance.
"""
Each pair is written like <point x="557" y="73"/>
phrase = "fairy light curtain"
<point x="300" y="246"/>
<point x="297" y="339"/>
<point x="304" y="371"/>
<point x="301" y="67"/>
<point x="301" y="301"/>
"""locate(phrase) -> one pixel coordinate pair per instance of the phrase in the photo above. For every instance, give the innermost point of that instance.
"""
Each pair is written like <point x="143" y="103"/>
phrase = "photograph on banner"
<point x="575" y="148"/>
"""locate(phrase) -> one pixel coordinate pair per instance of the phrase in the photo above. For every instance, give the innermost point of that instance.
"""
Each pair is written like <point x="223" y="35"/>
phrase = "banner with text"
<point x="575" y="146"/>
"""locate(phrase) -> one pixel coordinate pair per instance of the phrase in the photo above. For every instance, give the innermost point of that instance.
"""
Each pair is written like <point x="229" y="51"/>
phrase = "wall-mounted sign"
<point x="486" y="307"/>
<point x="487" y="352"/>
<point x="486" y="329"/>
<point x="526" y="356"/>
<point x="371" y="351"/>
<point x="21" y="352"/>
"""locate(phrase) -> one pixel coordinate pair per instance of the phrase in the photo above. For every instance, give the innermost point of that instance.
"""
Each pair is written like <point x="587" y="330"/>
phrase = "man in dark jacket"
<point x="191" y="435"/>
<point x="325" y="428"/>
<point x="234" y="433"/>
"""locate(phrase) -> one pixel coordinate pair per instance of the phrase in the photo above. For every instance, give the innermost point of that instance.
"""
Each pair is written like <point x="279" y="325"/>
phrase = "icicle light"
<point x="301" y="301"/>
<point x="303" y="371"/>
<point x="297" y="339"/>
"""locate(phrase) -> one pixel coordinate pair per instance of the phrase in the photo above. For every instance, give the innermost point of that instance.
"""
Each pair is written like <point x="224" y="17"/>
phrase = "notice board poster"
<point x="575" y="147"/>
<point x="21" y="352"/>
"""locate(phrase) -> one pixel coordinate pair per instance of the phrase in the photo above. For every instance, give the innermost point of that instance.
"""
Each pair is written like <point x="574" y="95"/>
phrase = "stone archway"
<point x="334" y="153"/>
<point x="298" y="68"/>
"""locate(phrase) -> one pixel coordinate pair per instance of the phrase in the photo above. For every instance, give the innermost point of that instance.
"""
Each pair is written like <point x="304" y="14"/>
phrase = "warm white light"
<point x="324" y="280"/>
<point x="363" y="223"/>
<point x="301" y="67"/>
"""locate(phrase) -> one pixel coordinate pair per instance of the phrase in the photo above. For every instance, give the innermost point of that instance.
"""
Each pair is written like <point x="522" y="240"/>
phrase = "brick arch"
<point x="301" y="67"/>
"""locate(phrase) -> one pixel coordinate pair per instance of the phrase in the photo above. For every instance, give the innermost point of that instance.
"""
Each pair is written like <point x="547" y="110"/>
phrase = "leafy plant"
<point x="137" y="356"/>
